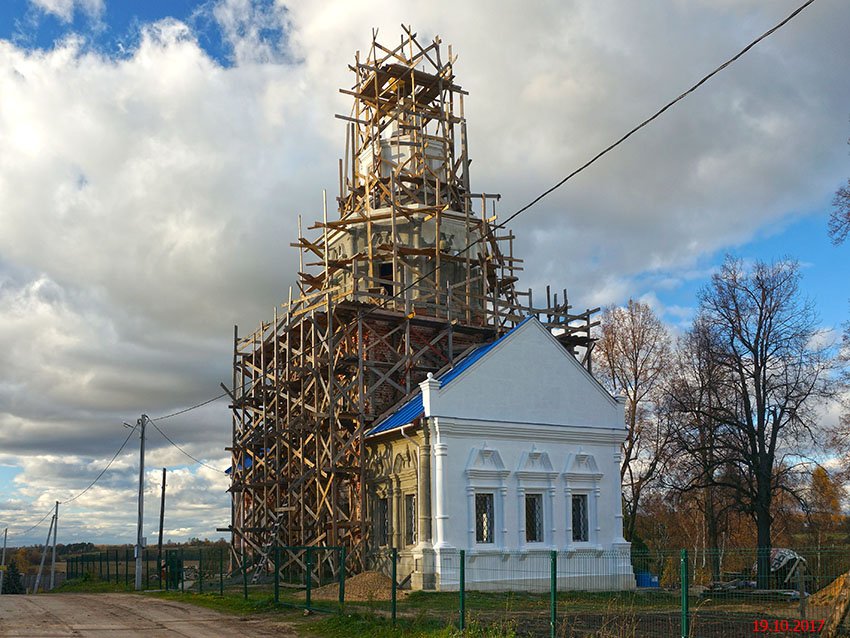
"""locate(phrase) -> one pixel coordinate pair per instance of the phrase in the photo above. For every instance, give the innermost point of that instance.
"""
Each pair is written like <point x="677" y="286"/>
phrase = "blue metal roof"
<point x="414" y="408"/>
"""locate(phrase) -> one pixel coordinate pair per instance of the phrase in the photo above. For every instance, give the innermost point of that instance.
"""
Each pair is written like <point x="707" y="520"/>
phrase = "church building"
<point x="510" y="454"/>
<point x="409" y="395"/>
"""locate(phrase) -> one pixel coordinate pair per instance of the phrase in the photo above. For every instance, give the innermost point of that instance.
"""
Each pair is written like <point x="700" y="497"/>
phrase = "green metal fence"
<point x="588" y="592"/>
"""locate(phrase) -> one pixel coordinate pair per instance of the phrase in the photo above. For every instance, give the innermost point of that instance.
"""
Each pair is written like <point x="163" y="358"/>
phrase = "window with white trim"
<point x="534" y="518"/>
<point x="580" y="518"/>
<point x="484" y="519"/>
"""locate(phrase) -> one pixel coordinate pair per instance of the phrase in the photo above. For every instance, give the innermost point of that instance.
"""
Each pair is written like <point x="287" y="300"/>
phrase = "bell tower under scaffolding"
<point x="411" y="275"/>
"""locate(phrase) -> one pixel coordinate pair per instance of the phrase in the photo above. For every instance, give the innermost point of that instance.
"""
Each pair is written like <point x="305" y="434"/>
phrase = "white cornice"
<point x="475" y="428"/>
<point x="487" y="474"/>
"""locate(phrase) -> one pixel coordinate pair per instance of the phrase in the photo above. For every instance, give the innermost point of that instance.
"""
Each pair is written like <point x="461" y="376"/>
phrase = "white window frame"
<point x="485" y="473"/>
<point x="536" y="476"/>
<point x="492" y="496"/>
<point x="540" y="523"/>
<point x="582" y="476"/>
<point x="586" y="516"/>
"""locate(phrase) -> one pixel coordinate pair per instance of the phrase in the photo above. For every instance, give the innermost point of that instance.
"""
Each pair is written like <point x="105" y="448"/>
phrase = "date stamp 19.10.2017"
<point x="793" y="624"/>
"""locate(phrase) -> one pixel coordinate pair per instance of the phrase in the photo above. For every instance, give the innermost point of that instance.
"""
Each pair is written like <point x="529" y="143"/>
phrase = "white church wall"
<point x="527" y="420"/>
<point x="553" y="462"/>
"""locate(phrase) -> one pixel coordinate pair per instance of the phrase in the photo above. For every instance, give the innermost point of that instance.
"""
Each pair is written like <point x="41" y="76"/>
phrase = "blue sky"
<point x="159" y="153"/>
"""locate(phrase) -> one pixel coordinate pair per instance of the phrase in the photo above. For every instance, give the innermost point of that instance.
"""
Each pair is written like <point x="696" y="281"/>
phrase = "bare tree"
<point x="839" y="221"/>
<point x="632" y="356"/>
<point x="765" y="342"/>
<point x="841" y="435"/>
<point x="695" y="390"/>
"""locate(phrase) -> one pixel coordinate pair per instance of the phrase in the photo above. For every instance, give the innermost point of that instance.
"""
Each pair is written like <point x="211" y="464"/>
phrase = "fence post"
<point x="182" y="572"/>
<point x="201" y="570"/>
<point x="342" y="579"/>
<point x="100" y="565"/>
<point x="309" y="575"/>
<point x="221" y="571"/>
<point x="116" y="565"/>
<point x="276" y="576"/>
<point x="394" y="586"/>
<point x="553" y="590"/>
<point x="127" y="567"/>
<point x="686" y="629"/>
<point x="244" y="575"/>
<point x="462" y="587"/>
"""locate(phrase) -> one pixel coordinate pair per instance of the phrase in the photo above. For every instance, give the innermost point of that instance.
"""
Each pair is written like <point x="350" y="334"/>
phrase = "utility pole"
<point x="3" y="560"/>
<point x="43" y="554"/>
<point x="161" y="518"/>
<point x="53" y="560"/>
<point x="141" y="423"/>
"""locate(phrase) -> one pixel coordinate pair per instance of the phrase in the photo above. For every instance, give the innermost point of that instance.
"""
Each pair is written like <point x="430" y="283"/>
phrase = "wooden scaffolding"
<point x="412" y="274"/>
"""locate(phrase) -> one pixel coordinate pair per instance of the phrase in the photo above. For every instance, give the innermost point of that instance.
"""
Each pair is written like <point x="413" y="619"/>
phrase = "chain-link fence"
<point x="696" y="593"/>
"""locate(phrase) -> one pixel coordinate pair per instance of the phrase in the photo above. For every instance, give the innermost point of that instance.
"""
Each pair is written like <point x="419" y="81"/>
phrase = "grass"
<point x="90" y="585"/>
<point x="224" y="604"/>
<point x="375" y="626"/>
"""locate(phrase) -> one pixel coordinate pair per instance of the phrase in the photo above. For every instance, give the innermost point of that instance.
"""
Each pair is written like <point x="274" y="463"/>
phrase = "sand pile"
<point x="826" y="596"/>
<point x="362" y="587"/>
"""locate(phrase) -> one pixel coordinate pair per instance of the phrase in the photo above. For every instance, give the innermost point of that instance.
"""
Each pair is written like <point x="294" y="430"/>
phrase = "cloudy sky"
<point x="154" y="157"/>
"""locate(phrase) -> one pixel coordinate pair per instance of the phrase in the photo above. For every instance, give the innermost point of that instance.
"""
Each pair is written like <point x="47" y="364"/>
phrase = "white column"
<point x="597" y="493"/>
<point x="618" y="505"/>
<point x="520" y="543"/>
<point x="470" y="508"/>
<point x="503" y="537"/>
<point x="549" y="518"/>
<point x="441" y="513"/>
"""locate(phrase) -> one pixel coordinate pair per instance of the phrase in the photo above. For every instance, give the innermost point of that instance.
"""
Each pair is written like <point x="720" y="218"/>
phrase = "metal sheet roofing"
<point x="414" y="408"/>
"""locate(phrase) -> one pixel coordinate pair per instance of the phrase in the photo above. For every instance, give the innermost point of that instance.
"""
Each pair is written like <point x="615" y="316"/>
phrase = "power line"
<point x="91" y="485"/>
<point x="608" y="149"/>
<point x="153" y="423"/>
<point x="27" y="531"/>
<point x="194" y="407"/>
<point x="103" y="471"/>
<point x="513" y="216"/>
<point x="483" y="237"/>
<point x="660" y="111"/>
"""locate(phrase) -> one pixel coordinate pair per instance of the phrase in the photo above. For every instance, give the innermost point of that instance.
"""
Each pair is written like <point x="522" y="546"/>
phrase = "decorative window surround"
<point x="582" y="476"/>
<point x="536" y="476"/>
<point x="485" y="472"/>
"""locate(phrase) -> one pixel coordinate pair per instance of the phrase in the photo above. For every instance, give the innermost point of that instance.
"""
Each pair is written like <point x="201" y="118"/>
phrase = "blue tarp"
<point x="248" y="463"/>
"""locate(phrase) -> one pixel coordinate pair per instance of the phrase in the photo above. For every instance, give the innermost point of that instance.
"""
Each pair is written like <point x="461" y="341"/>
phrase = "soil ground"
<point x="125" y="615"/>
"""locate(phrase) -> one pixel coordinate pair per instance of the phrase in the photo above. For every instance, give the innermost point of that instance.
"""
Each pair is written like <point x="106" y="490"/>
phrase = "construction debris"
<point x="828" y="595"/>
<point x="366" y="586"/>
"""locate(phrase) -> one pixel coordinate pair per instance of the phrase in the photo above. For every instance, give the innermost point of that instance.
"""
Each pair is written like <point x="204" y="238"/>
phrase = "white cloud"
<point x="64" y="9"/>
<point x="147" y="200"/>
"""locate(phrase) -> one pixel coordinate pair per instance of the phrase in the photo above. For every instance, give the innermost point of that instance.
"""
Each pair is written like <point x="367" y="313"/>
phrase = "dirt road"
<point x="123" y="616"/>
